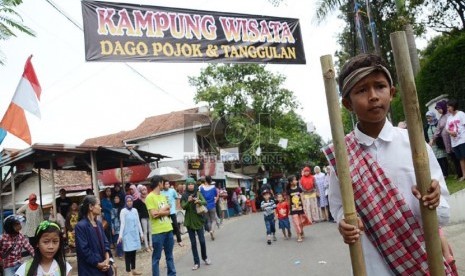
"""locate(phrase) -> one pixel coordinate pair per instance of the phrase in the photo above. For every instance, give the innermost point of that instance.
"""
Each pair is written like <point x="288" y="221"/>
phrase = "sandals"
<point x="180" y="244"/>
<point x="195" y="267"/>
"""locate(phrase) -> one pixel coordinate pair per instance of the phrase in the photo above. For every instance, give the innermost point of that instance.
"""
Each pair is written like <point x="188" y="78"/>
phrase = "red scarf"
<point x="389" y="223"/>
<point x="33" y="205"/>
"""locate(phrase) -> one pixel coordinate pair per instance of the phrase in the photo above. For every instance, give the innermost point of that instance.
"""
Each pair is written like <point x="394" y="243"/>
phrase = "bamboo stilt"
<point x="418" y="148"/>
<point x="342" y="161"/>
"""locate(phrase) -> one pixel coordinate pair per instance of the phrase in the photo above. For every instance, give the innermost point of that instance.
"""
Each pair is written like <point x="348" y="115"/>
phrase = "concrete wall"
<point x="177" y="146"/>
<point x="457" y="207"/>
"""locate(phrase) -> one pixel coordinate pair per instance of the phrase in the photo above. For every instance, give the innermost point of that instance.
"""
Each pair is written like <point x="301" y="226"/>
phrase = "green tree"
<point x="256" y="111"/>
<point x="11" y="22"/>
<point x="445" y="16"/>
<point x="443" y="71"/>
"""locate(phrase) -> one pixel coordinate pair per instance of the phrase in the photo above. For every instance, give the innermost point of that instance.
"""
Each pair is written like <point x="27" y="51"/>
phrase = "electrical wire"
<point x="134" y="70"/>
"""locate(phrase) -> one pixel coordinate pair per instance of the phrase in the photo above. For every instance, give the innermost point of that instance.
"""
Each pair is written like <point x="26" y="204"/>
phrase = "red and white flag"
<point x="26" y="97"/>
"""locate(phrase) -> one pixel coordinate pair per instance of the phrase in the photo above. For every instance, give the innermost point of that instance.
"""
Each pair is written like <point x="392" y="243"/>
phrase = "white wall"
<point x="177" y="146"/>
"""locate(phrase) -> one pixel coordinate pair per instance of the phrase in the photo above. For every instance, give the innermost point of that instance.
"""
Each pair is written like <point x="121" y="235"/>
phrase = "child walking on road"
<point x="268" y="206"/>
<point x="297" y="208"/>
<point x="282" y="211"/>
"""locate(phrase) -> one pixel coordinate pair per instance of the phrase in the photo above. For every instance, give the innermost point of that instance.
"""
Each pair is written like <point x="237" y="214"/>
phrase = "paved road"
<point x="456" y="236"/>
<point x="240" y="249"/>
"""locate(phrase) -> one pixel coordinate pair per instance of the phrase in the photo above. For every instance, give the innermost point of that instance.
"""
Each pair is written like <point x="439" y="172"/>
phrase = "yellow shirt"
<point x="160" y="224"/>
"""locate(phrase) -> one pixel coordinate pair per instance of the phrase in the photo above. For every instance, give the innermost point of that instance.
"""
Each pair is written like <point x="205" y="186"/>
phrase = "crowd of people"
<point x="446" y="136"/>
<point x="117" y="225"/>
<point x="381" y="171"/>
<point x="304" y="199"/>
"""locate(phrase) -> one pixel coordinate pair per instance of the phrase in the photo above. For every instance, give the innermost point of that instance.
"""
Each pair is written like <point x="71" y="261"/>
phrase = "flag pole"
<point x="342" y="162"/>
<point x="418" y="149"/>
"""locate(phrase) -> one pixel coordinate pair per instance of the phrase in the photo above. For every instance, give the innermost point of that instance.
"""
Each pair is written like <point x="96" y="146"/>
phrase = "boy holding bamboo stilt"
<point x="383" y="176"/>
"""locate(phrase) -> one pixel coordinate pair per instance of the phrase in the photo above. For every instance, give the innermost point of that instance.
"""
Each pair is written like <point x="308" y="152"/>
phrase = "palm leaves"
<point x="325" y="7"/>
<point x="11" y="22"/>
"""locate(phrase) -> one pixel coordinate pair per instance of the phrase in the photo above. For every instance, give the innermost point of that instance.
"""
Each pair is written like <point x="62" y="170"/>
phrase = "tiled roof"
<point x="154" y="125"/>
<point x="69" y="180"/>
<point x="111" y="140"/>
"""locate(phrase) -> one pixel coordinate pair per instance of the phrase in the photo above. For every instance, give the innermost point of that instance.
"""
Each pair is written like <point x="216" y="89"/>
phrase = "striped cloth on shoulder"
<point x="389" y="223"/>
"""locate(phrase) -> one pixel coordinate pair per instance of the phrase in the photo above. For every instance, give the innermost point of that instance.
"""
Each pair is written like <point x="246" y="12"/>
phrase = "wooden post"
<point x="121" y="173"/>
<point x="93" y="161"/>
<point x="40" y="189"/>
<point x="1" y="192"/>
<point x="13" y="189"/>
<point x="337" y="131"/>
<point x="54" y="202"/>
<point x="418" y="149"/>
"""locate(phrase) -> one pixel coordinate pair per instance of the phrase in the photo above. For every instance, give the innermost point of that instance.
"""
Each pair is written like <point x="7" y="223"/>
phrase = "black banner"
<point x="128" y="32"/>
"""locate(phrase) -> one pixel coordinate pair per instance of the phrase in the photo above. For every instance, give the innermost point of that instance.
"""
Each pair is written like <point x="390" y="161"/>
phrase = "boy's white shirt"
<point x="392" y="152"/>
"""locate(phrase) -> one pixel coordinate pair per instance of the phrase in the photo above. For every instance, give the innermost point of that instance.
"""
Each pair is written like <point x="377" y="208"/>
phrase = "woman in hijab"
<point x="107" y="207"/>
<point x="34" y="216"/>
<point x="307" y="184"/>
<point x="130" y="234"/>
<point x="194" y="222"/>
<point x="139" y="203"/>
<point x="441" y="134"/>
<point x="438" y="149"/>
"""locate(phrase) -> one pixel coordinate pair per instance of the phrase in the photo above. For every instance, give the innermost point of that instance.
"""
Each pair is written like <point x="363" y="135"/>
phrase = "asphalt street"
<point x="240" y="249"/>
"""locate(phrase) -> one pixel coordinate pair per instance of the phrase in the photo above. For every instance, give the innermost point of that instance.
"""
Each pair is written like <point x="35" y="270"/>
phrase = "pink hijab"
<point x="136" y="194"/>
<point x="140" y="188"/>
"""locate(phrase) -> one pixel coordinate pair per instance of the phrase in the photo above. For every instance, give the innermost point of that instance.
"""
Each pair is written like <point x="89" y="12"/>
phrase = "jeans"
<point x="270" y="224"/>
<point x="237" y="208"/>
<point x="10" y="271"/>
<point x="203" y="247"/>
<point x="210" y="218"/>
<point x="163" y="241"/>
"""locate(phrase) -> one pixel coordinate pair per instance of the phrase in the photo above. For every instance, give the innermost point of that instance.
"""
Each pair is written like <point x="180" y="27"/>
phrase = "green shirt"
<point x="160" y="224"/>
<point x="192" y="220"/>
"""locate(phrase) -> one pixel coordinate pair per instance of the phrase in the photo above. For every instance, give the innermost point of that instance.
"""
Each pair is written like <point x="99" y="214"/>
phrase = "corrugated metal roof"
<point x="107" y="157"/>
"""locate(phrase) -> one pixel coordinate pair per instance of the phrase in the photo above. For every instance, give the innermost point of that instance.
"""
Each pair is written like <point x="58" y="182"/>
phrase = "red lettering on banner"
<point x="275" y="26"/>
<point x="162" y="23"/>
<point x="287" y="34"/>
<point x="254" y="33"/>
<point x="124" y="23"/>
<point x="105" y="22"/>
<point x="145" y="22"/>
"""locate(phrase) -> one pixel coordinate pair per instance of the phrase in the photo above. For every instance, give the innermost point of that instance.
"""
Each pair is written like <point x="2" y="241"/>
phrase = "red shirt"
<point x="14" y="256"/>
<point x="282" y="209"/>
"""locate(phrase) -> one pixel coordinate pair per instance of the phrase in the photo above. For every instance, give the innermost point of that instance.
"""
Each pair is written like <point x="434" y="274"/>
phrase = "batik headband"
<point x="46" y="224"/>
<point x="353" y="78"/>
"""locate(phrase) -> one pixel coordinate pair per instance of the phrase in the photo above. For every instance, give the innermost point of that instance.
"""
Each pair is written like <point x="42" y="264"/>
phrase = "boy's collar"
<point x="386" y="134"/>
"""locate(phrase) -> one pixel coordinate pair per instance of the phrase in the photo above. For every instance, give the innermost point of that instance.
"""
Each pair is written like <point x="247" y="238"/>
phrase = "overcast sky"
<point x="83" y="99"/>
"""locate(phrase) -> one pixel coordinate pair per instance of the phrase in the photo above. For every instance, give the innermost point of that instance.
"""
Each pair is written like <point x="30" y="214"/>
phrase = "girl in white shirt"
<point x="49" y="258"/>
<point x="456" y="129"/>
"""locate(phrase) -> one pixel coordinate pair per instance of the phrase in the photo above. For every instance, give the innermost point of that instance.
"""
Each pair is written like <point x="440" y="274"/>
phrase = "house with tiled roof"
<point x="182" y="135"/>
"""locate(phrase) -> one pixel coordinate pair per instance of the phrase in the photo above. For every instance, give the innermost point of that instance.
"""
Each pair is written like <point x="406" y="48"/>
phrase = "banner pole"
<point x="418" y="149"/>
<point x="342" y="161"/>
